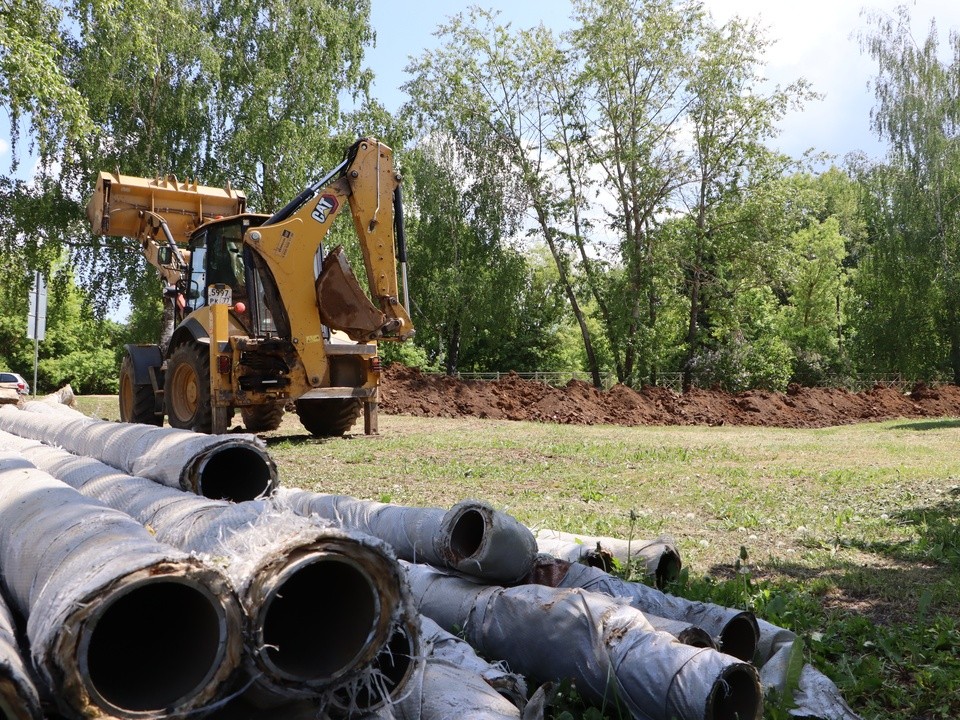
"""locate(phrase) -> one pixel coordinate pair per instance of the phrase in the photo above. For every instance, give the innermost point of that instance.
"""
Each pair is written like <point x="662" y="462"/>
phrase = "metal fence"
<point x="674" y="380"/>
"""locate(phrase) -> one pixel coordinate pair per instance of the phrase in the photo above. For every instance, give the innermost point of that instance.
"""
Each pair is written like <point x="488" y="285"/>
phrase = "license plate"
<point x="219" y="295"/>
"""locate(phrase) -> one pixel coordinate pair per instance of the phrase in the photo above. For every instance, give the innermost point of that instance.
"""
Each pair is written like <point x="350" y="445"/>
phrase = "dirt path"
<point x="409" y="392"/>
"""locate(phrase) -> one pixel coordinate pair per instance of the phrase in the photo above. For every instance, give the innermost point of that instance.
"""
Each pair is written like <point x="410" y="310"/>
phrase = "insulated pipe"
<point x="736" y="631"/>
<point x="471" y="537"/>
<point x="233" y="467"/>
<point x="395" y="677"/>
<point x="660" y="557"/>
<point x="606" y="647"/>
<point x="321" y="603"/>
<point x="118" y="624"/>
<point x="18" y="695"/>
<point x="446" y="647"/>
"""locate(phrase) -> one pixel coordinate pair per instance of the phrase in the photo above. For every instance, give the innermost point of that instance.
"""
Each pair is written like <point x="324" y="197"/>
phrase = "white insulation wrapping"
<point x="235" y="467"/>
<point x="604" y="645"/>
<point x="457" y="683"/>
<point x="471" y="537"/>
<point x="776" y="651"/>
<point x="118" y="624"/>
<point x="19" y="699"/>
<point x="659" y="556"/>
<point x="322" y="604"/>
<point x="735" y="631"/>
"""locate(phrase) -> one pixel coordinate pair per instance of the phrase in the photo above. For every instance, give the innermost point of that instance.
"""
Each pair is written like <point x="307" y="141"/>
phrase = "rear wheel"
<point x="137" y="403"/>
<point x="260" y="418"/>
<point x="186" y="391"/>
<point x="329" y="417"/>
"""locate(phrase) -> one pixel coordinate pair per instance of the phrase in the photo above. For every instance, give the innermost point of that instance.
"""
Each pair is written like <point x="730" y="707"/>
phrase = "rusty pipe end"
<point x="736" y="695"/>
<point x="165" y="640"/>
<point x="325" y="613"/>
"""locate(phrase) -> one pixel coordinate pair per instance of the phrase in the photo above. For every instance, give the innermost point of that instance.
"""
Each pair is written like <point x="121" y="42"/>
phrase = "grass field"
<point x="852" y="534"/>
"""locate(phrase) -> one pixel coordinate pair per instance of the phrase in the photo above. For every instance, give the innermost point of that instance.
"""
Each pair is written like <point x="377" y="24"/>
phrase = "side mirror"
<point x="164" y="255"/>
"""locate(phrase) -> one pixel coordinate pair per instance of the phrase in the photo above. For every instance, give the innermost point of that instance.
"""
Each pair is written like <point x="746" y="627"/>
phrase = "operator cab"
<point x="218" y="256"/>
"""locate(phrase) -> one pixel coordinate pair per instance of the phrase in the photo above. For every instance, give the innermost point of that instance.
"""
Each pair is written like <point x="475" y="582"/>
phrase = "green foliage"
<point x="908" y="281"/>
<point x="86" y="371"/>
<point x="34" y="83"/>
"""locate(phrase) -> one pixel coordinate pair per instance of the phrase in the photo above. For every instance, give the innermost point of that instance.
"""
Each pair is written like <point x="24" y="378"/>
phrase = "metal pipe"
<point x="321" y="603"/>
<point x="19" y="699"/>
<point x="232" y="467"/>
<point x="735" y="631"/>
<point x="606" y="647"/>
<point x="659" y="557"/>
<point x="118" y="624"/>
<point x="471" y="537"/>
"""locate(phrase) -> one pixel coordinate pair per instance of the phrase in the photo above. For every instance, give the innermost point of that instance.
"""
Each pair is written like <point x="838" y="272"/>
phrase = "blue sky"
<point x="816" y="39"/>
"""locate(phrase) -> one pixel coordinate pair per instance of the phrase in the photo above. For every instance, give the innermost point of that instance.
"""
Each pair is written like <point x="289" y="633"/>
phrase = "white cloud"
<point x="819" y="41"/>
<point x="4" y="146"/>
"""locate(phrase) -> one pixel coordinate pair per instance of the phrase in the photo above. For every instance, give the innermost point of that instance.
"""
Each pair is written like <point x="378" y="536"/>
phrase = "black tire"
<point x="186" y="390"/>
<point x="137" y="403"/>
<point x="260" y="418"/>
<point x="329" y="418"/>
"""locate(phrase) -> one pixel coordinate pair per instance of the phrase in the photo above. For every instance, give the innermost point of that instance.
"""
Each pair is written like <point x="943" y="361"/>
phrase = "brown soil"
<point x="405" y="391"/>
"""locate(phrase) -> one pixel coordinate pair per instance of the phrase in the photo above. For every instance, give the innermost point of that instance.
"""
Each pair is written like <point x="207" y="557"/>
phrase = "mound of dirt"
<point x="406" y="391"/>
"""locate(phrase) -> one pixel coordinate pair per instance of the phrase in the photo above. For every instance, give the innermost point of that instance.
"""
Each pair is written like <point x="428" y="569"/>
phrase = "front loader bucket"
<point x="343" y="304"/>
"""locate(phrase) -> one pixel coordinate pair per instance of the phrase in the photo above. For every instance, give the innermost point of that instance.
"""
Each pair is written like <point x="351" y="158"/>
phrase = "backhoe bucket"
<point x="343" y="303"/>
<point x="116" y="204"/>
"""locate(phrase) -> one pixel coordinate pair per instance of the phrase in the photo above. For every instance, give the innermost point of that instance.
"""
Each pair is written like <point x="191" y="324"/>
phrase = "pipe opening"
<point x="154" y="646"/>
<point x="319" y="620"/>
<point x="696" y="637"/>
<point x="235" y="472"/>
<point x="466" y="535"/>
<point x="390" y="670"/>
<point x="736" y="695"/>
<point x="740" y="636"/>
<point x="668" y="569"/>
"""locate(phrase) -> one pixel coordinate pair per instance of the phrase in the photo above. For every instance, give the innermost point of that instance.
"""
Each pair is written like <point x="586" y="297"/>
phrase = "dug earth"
<point x="406" y="391"/>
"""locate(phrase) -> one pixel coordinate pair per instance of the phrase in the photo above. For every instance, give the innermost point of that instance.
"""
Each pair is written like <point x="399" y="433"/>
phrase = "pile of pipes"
<point x="151" y="573"/>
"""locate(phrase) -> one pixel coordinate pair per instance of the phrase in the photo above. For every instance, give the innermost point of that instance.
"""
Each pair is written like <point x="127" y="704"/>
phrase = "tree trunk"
<point x="453" y="349"/>
<point x="693" y="329"/>
<point x="561" y="263"/>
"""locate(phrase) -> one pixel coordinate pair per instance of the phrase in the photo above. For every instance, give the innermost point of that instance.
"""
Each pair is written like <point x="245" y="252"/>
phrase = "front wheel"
<point x="137" y="403"/>
<point x="330" y="417"/>
<point x="186" y="391"/>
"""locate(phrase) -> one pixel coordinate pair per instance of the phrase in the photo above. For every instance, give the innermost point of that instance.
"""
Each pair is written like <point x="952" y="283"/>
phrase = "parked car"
<point x="13" y="381"/>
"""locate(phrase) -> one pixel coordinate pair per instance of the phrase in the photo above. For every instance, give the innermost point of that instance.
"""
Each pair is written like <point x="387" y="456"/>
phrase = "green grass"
<point x="852" y="533"/>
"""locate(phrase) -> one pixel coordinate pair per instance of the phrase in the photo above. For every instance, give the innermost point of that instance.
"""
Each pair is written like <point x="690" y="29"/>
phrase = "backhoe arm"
<point x="289" y="240"/>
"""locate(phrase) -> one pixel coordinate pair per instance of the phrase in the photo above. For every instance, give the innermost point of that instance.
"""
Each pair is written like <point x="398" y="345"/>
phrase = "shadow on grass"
<point x="927" y="425"/>
<point x="906" y="577"/>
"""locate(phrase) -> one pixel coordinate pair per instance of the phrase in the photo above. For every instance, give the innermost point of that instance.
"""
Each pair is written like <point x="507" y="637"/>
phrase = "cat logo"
<point x="326" y="205"/>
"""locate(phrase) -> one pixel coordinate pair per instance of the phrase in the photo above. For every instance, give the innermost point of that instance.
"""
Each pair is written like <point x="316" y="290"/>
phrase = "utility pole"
<point x="37" y="319"/>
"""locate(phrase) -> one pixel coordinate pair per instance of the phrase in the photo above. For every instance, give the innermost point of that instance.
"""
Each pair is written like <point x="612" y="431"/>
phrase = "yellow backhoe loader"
<point x="257" y="314"/>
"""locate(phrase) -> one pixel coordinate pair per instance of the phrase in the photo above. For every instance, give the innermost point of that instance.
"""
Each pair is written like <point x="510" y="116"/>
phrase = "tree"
<point x="910" y="276"/>
<point x="479" y="304"/>
<point x="629" y="104"/>
<point x="245" y="92"/>
<point x="484" y="89"/>
<point x="731" y="118"/>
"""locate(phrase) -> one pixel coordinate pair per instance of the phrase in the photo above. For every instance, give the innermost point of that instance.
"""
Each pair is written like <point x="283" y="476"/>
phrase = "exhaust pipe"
<point x="118" y="624"/>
